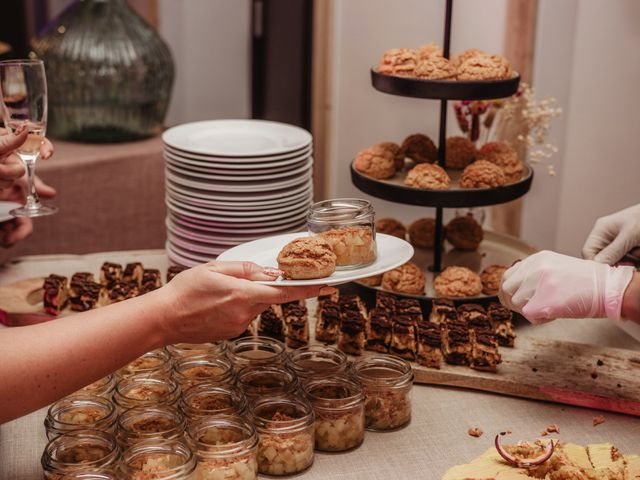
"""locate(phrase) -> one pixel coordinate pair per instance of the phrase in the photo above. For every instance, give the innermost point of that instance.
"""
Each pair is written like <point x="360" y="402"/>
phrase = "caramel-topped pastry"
<point x="133" y="273"/>
<point x="429" y="351"/>
<point x="484" y="351"/>
<point x="475" y="315"/>
<point x="150" y="281"/>
<point x="122" y="291"/>
<point x="441" y="310"/>
<point x="55" y="294"/>
<point x="501" y="318"/>
<point x="110" y="273"/>
<point x="352" y="332"/>
<point x="456" y="342"/>
<point x="173" y="271"/>
<point x="380" y="330"/>
<point x="328" y="322"/>
<point x="386" y="301"/>
<point x="86" y="295"/>
<point x="410" y="307"/>
<point x="403" y="337"/>
<point x="81" y="277"/>
<point x="271" y="323"/>
<point x="296" y="325"/>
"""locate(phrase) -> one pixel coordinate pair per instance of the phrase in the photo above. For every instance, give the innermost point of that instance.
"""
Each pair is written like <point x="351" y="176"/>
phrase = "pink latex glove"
<point x="613" y="236"/>
<point x="547" y="285"/>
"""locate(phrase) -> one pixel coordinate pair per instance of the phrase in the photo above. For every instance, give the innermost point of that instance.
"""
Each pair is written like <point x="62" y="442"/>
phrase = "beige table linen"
<point x="437" y="436"/>
<point x="111" y="197"/>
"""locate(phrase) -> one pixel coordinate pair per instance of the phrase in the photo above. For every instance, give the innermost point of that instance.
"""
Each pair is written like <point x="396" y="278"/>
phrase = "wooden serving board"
<point x="537" y="369"/>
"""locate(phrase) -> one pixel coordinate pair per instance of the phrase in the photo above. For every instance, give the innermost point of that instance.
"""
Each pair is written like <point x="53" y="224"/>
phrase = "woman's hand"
<point x="218" y="300"/>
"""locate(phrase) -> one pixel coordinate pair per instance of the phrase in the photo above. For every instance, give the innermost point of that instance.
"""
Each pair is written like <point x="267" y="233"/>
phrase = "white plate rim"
<point x="238" y="207"/>
<point x="267" y="168"/>
<point x="243" y="178"/>
<point x="234" y="187"/>
<point x="235" y="163"/>
<point x="248" y="213"/>
<point x="278" y="227"/>
<point x="384" y="261"/>
<point x="242" y="197"/>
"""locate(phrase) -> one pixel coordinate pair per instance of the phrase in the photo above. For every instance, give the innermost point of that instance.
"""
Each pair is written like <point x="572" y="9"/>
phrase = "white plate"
<point x="197" y="247"/>
<point x="5" y="208"/>
<point x="219" y="170"/>
<point x="253" y="213"/>
<point x="239" y="208"/>
<point x="392" y="252"/>
<point x="198" y="175"/>
<point x="237" y="138"/>
<point x="188" y="223"/>
<point x="205" y="214"/>
<point x="234" y="187"/>
<point x="233" y="163"/>
<point x="179" y="259"/>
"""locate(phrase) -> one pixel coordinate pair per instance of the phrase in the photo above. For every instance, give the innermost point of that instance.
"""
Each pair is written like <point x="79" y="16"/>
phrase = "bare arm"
<point x="631" y="300"/>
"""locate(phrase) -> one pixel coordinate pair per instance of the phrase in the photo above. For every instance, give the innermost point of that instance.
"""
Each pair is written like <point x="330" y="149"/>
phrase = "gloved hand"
<point x="613" y="236"/>
<point x="548" y="285"/>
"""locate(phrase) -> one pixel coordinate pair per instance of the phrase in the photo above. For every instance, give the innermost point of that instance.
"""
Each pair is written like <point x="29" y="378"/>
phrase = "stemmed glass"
<point x="23" y="87"/>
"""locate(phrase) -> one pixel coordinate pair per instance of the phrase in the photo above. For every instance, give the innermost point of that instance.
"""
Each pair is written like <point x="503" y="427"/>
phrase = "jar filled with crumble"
<point x="97" y="474"/>
<point x="225" y="448"/>
<point x="79" y="450"/>
<point x="181" y="350"/>
<point x="209" y="399"/>
<point x="150" y="423"/>
<point x="103" y="387"/>
<point x="348" y="225"/>
<point x="338" y="404"/>
<point x="285" y="426"/>
<point x="80" y="412"/>
<point x="248" y="351"/>
<point x="387" y="382"/>
<point x="190" y="371"/>
<point x="146" y="391"/>
<point x="158" y="460"/>
<point x="317" y="361"/>
<point x="155" y="362"/>
<point x="258" y="381"/>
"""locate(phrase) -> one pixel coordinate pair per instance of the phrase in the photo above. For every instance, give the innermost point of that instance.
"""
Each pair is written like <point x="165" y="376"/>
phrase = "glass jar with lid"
<point x="247" y="351"/>
<point x="189" y="371"/>
<point x="180" y="350"/>
<point x="210" y="399"/>
<point x="103" y="387"/>
<point x="155" y="362"/>
<point x="348" y="225"/>
<point x="316" y="361"/>
<point x="146" y="391"/>
<point x="387" y="382"/>
<point x="338" y="404"/>
<point x="80" y="412"/>
<point x="225" y="447"/>
<point x="158" y="460"/>
<point x="139" y="424"/>
<point x="285" y="426"/>
<point x="79" y="450"/>
<point x="260" y="380"/>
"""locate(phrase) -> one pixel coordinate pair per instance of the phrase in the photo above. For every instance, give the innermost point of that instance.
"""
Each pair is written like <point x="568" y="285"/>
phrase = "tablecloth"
<point x="437" y="436"/>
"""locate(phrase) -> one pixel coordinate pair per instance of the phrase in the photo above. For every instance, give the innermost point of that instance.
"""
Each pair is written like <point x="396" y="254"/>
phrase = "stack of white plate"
<point x="233" y="181"/>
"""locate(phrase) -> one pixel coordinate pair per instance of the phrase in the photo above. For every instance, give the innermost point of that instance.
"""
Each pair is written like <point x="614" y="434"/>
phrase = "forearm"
<point x="631" y="300"/>
<point x="42" y="363"/>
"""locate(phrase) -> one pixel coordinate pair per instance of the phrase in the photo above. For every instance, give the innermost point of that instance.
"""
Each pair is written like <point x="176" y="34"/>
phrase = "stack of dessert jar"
<point x="224" y="411"/>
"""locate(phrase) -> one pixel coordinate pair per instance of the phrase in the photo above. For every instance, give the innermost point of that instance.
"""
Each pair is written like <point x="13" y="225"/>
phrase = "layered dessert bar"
<point x="380" y="331"/>
<point x="475" y="316"/>
<point x="55" y="294"/>
<point x="429" y="342"/>
<point x="271" y="323"/>
<point x="410" y="307"/>
<point x="484" y="351"/>
<point x="442" y="310"/>
<point x="501" y="318"/>
<point x="122" y="291"/>
<point x="110" y="273"/>
<point x="456" y="343"/>
<point x="353" y="303"/>
<point x="133" y="273"/>
<point x="328" y="322"/>
<point x="81" y="277"/>
<point x="403" y="337"/>
<point x="296" y="321"/>
<point x="385" y="301"/>
<point x="84" y="296"/>
<point x="323" y="299"/>
<point x="351" y="338"/>
<point x="151" y="280"/>
<point x="173" y="271"/>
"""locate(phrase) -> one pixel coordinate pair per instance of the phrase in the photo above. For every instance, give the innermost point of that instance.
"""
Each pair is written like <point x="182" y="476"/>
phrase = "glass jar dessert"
<point x="158" y="460"/>
<point x="348" y="225"/>
<point x="208" y="399"/>
<point x="338" y="404"/>
<point x="156" y="362"/>
<point x="80" y="412"/>
<point x="387" y="382"/>
<point x="248" y="351"/>
<point x="317" y="361"/>
<point x="285" y="426"/>
<point x="146" y="391"/>
<point x="139" y="424"/>
<point x="78" y="450"/>
<point x="225" y="448"/>
<point x="192" y="370"/>
<point x="97" y="474"/>
<point x="181" y="350"/>
<point x="261" y="380"/>
<point x="103" y="387"/>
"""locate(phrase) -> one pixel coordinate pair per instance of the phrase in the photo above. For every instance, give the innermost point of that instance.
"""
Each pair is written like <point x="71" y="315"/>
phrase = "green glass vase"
<point x="109" y="73"/>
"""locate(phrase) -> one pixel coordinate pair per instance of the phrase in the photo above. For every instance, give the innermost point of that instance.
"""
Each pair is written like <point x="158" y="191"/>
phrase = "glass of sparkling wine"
<point x="23" y="89"/>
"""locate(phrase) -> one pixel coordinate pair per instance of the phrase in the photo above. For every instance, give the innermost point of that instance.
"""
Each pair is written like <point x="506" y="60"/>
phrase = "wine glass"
<point x="23" y="87"/>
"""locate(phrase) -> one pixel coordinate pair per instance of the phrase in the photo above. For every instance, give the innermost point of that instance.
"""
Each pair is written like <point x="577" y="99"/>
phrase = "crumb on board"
<point x="598" y="420"/>
<point x="475" y="432"/>
<point x="552" y="428"/>
<point x="600" y="363"/>
<point x="594" y="374"/>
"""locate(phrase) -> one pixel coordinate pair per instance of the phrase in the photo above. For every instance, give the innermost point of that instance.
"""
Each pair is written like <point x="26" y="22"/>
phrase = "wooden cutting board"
<point x="538" y="369"/>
